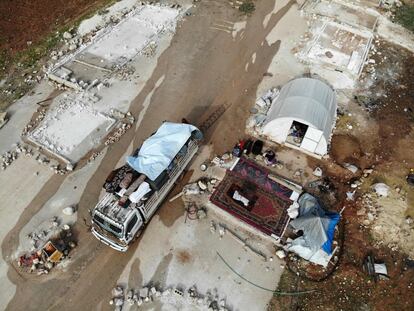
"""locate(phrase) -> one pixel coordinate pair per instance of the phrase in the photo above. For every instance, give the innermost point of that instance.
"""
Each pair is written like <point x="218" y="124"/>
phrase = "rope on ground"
<point x="264" y="288"/>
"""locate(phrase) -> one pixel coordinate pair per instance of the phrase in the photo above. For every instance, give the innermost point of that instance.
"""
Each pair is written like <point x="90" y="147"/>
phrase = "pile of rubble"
<point x="123" y="73"/>
<point x="73" y="41"/>
<point x="32" y="78"/>
<point x="41" y="113"/>
<point x="150" y="49"/>
<point x="94" y="156"/>
<point x="175" y="296"/>
<point x="260" y="110"/>
<point x="126" y="122"/>
<point x="10" y="156"/>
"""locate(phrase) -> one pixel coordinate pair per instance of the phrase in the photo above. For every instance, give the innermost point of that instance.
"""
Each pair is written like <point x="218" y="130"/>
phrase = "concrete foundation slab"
<point x="72" y="127"/>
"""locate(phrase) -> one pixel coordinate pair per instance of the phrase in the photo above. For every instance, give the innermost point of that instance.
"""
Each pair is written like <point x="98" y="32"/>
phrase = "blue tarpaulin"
<point x="157" y="152"/>
<point x="318" y="225"/>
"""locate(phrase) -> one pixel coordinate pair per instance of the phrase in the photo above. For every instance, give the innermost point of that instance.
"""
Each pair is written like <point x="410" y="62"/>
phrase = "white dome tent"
<point x="302" y="116"/>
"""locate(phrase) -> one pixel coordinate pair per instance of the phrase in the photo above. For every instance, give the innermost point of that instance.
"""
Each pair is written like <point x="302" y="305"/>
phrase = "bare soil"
<point x="23" y="21"/>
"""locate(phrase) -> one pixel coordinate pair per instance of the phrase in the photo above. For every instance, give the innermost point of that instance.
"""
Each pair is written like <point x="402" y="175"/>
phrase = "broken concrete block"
<point x="153" y="291"/>
<point x="178" y="292"/>
<point x="130" y="297"/>
<point x="143" y="292"/>
<point x="117" y="291"/>
<point x="213" y="227"/>
<point x="67" y="35"/>
<point x="222" y="230"/>
<point x="201" y="213"/>
<point x="281" y="253"/>
<point x="119" y="301"/>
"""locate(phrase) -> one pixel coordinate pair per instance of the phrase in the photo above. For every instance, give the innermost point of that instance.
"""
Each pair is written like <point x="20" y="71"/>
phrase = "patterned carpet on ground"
<point x="268" y="200"/>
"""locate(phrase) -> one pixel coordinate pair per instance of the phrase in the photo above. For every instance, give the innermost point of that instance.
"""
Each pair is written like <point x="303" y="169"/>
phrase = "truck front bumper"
<point x="116" y="246"/>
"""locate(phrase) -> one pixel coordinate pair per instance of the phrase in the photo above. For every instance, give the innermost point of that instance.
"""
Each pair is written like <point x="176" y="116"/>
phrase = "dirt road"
<point x="204" y="67"/>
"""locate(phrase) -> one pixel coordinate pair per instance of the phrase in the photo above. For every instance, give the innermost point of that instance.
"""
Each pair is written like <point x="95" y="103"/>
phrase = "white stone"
<point x="381" y="189"/>
<point x="317" y="172"/>
<point x="281" y="253"/>
<point x="202" y="185"/>
<point x="67" y="35"/>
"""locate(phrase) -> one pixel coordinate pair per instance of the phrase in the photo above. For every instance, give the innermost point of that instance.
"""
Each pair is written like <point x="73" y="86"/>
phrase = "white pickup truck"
<point x="134" y="191"/>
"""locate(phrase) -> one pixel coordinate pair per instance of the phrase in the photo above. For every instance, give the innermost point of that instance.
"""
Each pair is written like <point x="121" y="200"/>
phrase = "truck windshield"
<point x="117" y="231"/>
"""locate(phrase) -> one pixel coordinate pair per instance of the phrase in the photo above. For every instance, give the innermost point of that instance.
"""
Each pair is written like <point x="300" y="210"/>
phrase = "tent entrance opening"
<point x="296" y="133"/>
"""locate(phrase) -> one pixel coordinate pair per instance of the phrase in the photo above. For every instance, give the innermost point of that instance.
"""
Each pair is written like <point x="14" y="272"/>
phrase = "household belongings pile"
<point x="318" y="227"/>
<point x="42" y="260"/>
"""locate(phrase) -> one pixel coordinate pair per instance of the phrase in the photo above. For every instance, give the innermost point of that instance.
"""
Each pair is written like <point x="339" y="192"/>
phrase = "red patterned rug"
<point x="268" y="204"/>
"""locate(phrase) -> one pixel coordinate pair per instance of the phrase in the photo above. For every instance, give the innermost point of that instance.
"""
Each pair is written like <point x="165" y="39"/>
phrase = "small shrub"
<point x="247" y="7"/>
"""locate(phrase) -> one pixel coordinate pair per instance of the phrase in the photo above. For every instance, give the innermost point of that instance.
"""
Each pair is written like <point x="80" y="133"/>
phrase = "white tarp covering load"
<point x="159" y="150"/>
<point x="318" y="226"/>
<point x="308" y="101"/>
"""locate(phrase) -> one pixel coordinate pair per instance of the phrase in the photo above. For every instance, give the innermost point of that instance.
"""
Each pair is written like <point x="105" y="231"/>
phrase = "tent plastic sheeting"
<point x="307" y="99"/>
<point x="310" y="102"/>
<point x="317" y="224"/>
<point x="299" y="246"/>
<point x="159" y="150"/>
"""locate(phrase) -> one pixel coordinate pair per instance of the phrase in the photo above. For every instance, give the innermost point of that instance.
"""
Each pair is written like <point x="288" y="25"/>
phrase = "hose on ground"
<point x="264" y="288"/>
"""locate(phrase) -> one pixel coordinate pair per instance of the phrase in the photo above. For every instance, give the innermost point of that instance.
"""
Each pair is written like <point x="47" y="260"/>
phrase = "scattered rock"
<point x="222" y="230"/>
<point x="213" y="227"/>
<point x="351" y="167"/>
<point x="280" y="253"/>
<point x="361" y="211"/>
<point x="201" y="213"/>
<point x="67" y="35"/>
<point x="117" y="291"/>
<point x="368" y="171"/>
<point x="143" y="292"/>
<point x="69" y="167"/>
